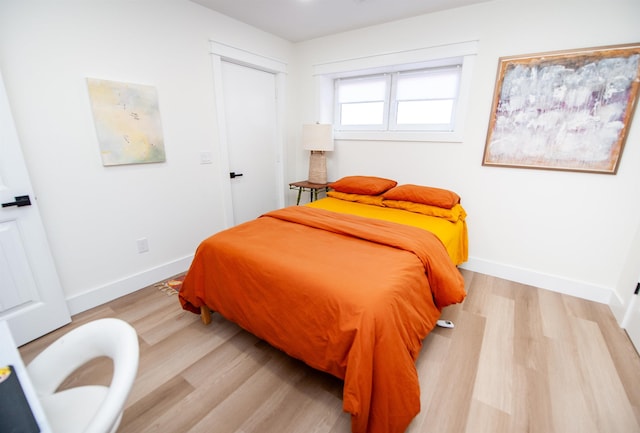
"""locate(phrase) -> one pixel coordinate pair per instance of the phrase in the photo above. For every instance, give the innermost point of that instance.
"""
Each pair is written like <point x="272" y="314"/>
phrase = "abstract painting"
<point x="127" y="120"/>
<point x="564" y="110"/>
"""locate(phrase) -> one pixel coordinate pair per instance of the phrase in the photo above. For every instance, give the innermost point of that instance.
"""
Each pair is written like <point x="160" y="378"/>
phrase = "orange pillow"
<point x="367" y="185"/>
<point x="456" y="213"/>
<point x="358" y="198"/>
<point x="423" y="194"/>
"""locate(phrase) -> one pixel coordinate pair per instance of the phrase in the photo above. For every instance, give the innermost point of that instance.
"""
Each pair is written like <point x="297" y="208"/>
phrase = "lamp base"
<point x="317" y="167"/>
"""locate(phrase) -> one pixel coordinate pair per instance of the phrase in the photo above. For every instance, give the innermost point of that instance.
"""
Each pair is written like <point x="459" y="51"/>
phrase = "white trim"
<point x="223" y="152"/>
<point x="554" y="283"/>
<point x="401" y="58"/>
<point x="239" y="55"/>
<point x="281" y="156"/>
<point x="101" y="295"/>
<point x="432" y="136"/>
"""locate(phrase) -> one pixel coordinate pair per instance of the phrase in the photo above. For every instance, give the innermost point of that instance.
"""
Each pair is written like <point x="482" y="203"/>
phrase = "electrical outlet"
<point x="143" y="245"/>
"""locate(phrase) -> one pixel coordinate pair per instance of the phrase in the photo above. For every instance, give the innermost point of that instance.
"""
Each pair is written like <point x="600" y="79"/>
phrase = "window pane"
<point x="364" y="113"/>
<point x="362" y="89"/>
<point x="440" y="84"/>
<point x="425" y="112"/>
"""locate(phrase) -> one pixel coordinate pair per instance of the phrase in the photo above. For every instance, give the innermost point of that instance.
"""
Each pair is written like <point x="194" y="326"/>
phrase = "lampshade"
<point x="317" y="136"/>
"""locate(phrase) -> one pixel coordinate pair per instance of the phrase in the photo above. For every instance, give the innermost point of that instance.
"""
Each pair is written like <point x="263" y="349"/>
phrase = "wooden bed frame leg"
<point x="205" y="314"/>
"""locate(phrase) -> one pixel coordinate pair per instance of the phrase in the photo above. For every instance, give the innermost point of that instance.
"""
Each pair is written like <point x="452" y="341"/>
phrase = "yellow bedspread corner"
<point x="452" y="234"/>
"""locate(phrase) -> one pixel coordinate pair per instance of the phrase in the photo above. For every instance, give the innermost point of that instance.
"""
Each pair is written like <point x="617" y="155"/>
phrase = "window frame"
<point x="462" y="54"/>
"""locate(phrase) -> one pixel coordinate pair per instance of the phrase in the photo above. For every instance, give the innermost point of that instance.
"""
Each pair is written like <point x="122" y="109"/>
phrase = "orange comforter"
<point x="348" y="295"/>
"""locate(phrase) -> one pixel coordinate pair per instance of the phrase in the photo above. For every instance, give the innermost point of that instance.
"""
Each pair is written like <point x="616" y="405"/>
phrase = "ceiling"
<point x="300" y="20"/>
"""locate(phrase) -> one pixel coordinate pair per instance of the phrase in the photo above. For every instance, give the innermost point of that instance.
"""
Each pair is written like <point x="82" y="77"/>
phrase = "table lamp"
<point x="318" y="138"/>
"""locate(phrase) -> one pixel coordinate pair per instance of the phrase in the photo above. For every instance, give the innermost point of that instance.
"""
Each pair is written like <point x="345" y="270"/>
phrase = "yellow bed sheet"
<point x="453" y="235"/>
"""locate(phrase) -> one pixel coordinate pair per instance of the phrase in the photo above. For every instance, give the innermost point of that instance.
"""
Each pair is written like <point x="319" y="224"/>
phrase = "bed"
<point x="347" y="284"/>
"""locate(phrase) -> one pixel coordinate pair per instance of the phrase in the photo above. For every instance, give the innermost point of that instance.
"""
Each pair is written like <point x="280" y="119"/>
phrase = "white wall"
<point x="570" y="232"/>
<point x="94" y="214"/>
<point x="567" y="231"/>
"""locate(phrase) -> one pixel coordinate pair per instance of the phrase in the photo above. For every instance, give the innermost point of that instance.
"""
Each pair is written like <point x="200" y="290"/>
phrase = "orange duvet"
<point x="348" y="295"/>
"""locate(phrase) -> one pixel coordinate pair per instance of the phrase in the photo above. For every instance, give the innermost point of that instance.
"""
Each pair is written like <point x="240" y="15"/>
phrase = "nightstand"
<point x="313" y="188"/>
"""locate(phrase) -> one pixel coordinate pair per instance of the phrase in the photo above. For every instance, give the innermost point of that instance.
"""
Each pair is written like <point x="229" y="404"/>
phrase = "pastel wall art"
<point x="127" y="121"/>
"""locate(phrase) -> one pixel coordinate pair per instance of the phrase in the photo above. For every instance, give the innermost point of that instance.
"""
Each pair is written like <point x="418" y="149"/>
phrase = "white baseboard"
<point x="533" y="278"/>
<point x="100" y="295"/>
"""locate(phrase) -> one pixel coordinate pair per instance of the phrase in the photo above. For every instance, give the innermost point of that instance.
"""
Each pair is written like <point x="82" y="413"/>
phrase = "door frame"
<point x="221" y="52"/>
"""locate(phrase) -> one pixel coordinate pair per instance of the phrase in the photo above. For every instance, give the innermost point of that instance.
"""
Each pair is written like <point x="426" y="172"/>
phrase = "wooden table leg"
<point x="205" y="314"/>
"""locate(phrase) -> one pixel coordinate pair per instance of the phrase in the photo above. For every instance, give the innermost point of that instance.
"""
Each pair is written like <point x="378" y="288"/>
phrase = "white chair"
<point x="86" y="409"/>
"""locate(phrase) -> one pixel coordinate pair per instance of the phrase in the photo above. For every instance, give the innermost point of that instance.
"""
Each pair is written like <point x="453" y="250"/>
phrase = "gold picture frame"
<point x="564" y="110"/>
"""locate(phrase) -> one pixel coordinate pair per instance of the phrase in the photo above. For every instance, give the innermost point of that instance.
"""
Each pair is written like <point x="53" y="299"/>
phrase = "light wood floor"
<point x="520" y="359"/>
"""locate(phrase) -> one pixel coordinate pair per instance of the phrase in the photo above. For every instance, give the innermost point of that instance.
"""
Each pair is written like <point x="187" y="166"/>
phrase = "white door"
<point x="251" y="119"/>
<point x="31" y="298"/>
<point x="631" y="322"/>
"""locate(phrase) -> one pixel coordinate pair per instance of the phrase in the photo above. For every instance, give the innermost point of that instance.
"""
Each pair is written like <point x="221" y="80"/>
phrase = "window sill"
<point x="440" y="137"/>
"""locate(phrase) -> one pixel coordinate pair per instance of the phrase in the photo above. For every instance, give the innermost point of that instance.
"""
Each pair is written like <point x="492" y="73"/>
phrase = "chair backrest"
<point x="109" y="337"/>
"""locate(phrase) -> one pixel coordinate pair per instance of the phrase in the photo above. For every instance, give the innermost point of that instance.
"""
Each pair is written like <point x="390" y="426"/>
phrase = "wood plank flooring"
<point x="520" y="359"/>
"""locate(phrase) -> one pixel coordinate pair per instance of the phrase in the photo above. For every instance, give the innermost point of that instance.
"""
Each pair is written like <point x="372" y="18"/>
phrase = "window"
<point x="422" y="100"/>
<point x="415" y="95"/>
<point x="363" y="102"/>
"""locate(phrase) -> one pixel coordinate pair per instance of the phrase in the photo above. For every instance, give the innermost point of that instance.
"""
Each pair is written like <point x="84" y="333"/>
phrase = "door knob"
<point x="22" y="200"/>
<point x="233" y="174"/>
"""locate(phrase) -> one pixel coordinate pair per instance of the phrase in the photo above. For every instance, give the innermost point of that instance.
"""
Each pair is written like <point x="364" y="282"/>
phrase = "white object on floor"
<point x="445" y="323"/>
<point x="89" y="409"/>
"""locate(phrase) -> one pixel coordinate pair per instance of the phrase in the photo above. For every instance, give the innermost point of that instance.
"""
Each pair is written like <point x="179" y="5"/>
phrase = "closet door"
<point x="631" y="322"/>
<point x="251" y="119"/>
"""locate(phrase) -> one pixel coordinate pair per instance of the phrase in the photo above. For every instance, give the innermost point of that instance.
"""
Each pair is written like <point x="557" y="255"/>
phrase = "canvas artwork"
<point x="127" y="120"/>
<point x="568" y="110"/>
